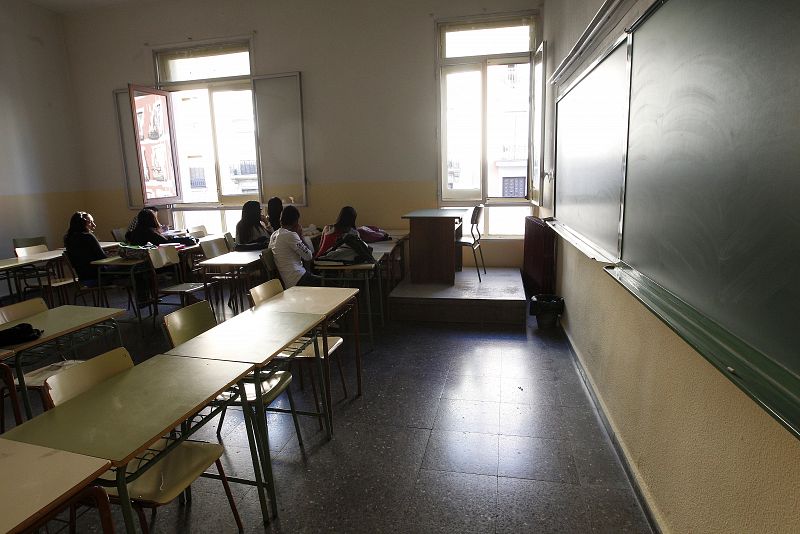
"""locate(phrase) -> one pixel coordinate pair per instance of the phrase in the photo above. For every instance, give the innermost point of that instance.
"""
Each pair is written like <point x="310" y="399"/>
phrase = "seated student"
<point x="290" y="248"/>
<point x="82" y="247"/>
<point x="251" y="231"/>
<point x="345" y="223"/>
<point x="148" y="230"/>
<point x="274" y="209"/>
<point x="132" y="225"/>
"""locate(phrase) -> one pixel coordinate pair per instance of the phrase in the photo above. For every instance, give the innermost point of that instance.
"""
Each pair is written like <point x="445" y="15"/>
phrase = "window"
<point x="228" y="136"/>
<point x="485" y="128"/>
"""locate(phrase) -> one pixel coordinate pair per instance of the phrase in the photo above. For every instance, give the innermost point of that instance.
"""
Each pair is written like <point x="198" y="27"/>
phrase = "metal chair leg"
<point x="482" y="262"/>
<point x="229" y="495"/>
<point x="294" y="417"/>
<point x="477" y="267"/>
<point x="221" y="420"/>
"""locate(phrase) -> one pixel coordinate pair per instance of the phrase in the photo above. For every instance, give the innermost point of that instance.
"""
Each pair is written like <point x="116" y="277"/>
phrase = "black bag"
<point x="348" y="250"/>
<point x="21" y="333"/>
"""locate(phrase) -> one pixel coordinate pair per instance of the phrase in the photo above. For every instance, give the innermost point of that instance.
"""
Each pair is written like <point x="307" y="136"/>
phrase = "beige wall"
<point x="707" y="458"/>
<point x="368" y="87"/>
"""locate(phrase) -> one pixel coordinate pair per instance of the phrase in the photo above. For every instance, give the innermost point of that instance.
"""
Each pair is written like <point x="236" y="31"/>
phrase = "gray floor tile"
<point x="452" y="502"/>
<point x="529" y="391"/>
<point x="598" y="465"/>
<point x="532" y="420"/>
<point x="536" y="459"/>
<point x="466" y="387"/>
<point x="613" y="511"/>
<point x="462" y="452"/>
<point x="541" y="507"/>
<point x="468" y="416"/>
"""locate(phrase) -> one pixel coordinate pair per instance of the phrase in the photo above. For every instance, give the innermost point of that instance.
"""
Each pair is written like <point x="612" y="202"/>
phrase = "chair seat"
<point x="189" y="287"/>
<point x="163" y="482"/>
<point x="466" y="241"/>
<point x="270" y="388"/>
<point x="60" y="282"/>
<point x="308" y="352"/>
<point x="36" y="378"/>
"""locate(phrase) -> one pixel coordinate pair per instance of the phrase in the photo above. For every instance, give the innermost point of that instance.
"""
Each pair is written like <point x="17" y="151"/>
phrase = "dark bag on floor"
<point x="21" y="333"/>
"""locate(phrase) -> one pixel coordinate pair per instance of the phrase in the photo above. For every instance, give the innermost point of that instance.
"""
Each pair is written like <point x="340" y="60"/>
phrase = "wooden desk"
<point x="56" y="324"/>
<point x="434" y="255"/>
<point x="118" y="419"/>
<point x="331" y="303"/>
<point x="39" y="480"/>
<point x="255" y="337"/>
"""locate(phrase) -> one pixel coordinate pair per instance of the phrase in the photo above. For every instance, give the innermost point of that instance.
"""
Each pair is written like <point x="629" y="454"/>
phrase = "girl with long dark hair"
<point x="82" y="247"/>
<point x="345" y="223"/>
<point x="251" y="230"/>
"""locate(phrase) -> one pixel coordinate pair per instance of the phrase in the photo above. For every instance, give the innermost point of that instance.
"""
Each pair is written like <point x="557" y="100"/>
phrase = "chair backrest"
<point x="23" y="252"/>
<point x="73" y="381"/>
<point x="230" y="241"/>
<point x="476" y="214"/>
<point x="20" y="242"/>
<point x="476" y="218"/>
<point x="197" y="231"/>
<point x="163" y="257"/>
<point x="21" y="310"/>
<point x="118" y="234"/>
<point x="265" y="291"/>
<point x="214" y="247"/>
<point x="191" y="321"/>
<point x="268" y="259"/>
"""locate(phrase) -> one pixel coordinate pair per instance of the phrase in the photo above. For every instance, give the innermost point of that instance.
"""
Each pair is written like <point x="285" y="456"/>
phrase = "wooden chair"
<point x="35" y="379"/>
<point x="230" y="241"/>
<point x="162" y="258"/>
<point x="34" y="278"/>
<point x="268" y="259"/>
<point x="7" y="377"/>
<point x="211" y="249"/>
<point x="20" y="242"/>
<point x="191" y="321"/>
<point x="119" y="234"/>
<point x="168" y="478"/>
<point x="273" y="287"/>
<point x="197" y="231"/>
<point x="474" y="239"/>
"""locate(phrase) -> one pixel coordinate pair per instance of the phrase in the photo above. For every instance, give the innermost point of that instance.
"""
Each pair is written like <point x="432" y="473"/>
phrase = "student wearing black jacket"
<point x="82" y="247"/>
<point x="148" y="230"/>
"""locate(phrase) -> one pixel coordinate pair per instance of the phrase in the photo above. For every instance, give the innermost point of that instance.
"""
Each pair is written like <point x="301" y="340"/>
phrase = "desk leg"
<point x="251" y="439"/>
<point x="266" y="460"/>
<point x="327" y="374"/>
<point x="380" y="297"/>
<point x="369" y="310"/>
<point x="357" y="332"/>
<point x="324" y="391"/>
<point x="124" y="499"/>
<point x="26" y="401"/>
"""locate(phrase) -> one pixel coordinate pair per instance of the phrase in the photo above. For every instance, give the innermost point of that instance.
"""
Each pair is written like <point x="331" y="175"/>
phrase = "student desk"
<point x="330" y="302"/>
<point x="39" y="480"/>
<point x="360" y="272"/>
<point x="118" y="419"/>
<point x="435" y="258"/>
<point x="235" y="263"/>
<point x="255" y="337"/>
<point x="69" y="324"/>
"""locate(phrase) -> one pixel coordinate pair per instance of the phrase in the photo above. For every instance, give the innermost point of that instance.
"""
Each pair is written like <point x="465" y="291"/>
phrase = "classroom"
<point x="694" y="450"/>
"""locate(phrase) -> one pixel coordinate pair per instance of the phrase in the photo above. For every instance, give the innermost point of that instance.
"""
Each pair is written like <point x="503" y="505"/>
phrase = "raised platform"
<point x="498" y="299"/>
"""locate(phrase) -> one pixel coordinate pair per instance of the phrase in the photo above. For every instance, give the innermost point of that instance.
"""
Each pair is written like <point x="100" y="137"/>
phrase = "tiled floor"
<point x="459" y="430"/>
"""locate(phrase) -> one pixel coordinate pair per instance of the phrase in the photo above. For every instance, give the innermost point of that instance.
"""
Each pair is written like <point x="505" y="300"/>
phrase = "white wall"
<point x="40" y="148"/>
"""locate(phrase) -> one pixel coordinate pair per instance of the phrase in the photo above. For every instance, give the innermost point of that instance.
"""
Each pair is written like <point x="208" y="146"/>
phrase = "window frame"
<point x="464" y="63"/>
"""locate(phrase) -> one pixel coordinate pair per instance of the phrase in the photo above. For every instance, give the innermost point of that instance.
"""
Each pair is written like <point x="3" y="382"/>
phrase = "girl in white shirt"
<point x="290" y="248"/>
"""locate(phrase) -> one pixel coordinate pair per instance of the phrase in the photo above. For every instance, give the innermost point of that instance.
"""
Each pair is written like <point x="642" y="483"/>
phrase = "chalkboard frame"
<point x="585" y="243"/>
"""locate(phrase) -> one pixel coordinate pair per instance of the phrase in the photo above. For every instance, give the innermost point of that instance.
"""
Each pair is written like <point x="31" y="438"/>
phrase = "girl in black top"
<point x="251" y="231"/>
<point x="82" y="247"/>
<point x="147" y="230"/>
<point x="274" y="209"/>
